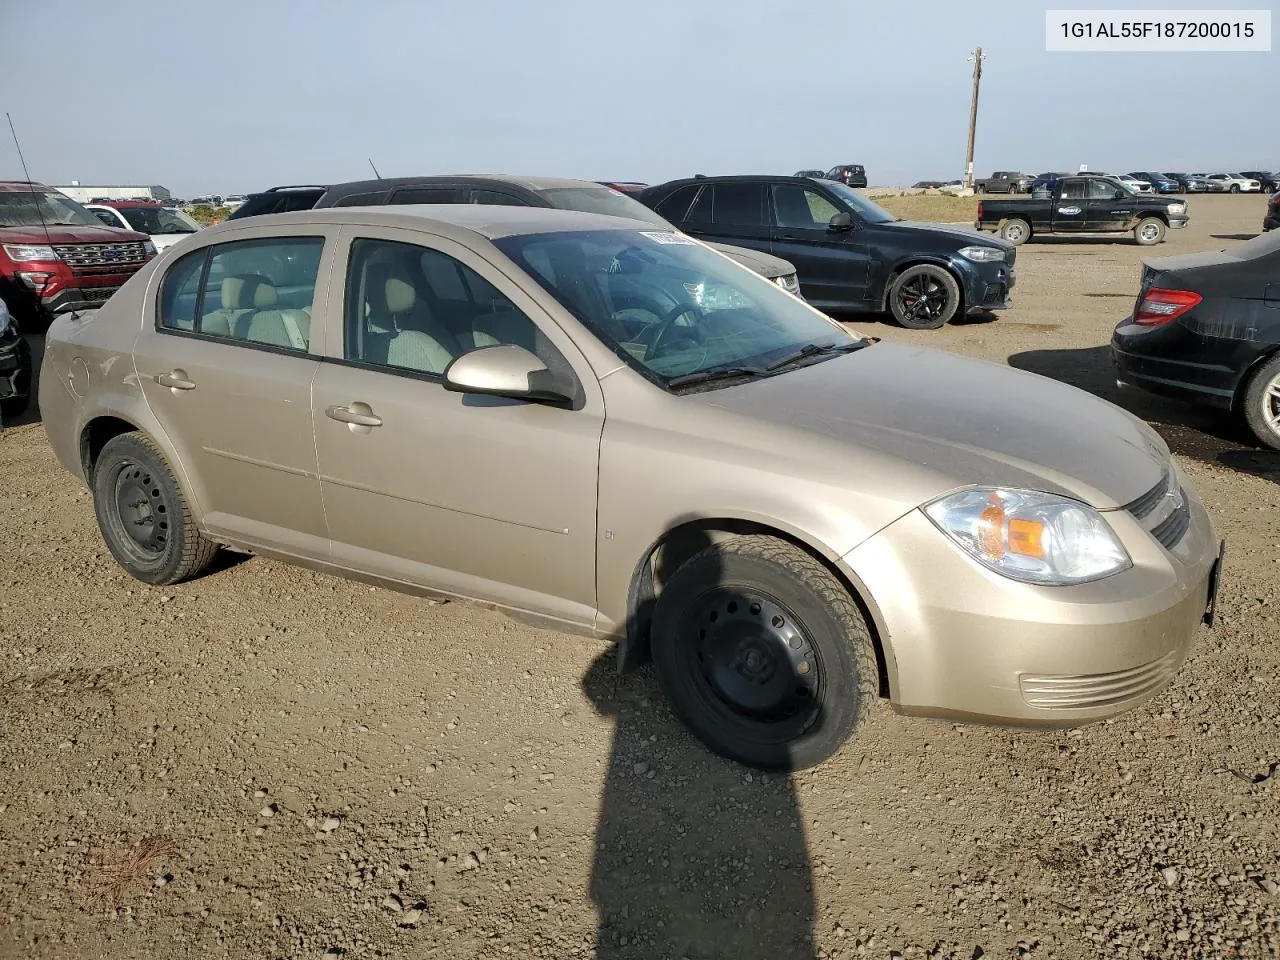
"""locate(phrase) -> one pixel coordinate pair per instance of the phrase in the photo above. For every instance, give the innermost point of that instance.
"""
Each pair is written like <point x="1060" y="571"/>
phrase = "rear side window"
<point x="676" y="205"/>
<point x="251" y="291"/>
<point x="1074" y="189"/>
<point x="738" y="204"/>
<point x="496" y="199"/>
<point x="700" y="212"/>
<point x="373" y="199"/>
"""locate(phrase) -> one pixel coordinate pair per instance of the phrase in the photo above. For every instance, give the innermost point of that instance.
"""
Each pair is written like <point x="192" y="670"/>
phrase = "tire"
<point x="1260" y="403"/>
<point x="132" y="474"/>
<point x="1234" y="188"/>
<point x="979" y="188"/>
<point x="789" y="673"/>
<point x="1149" y="231"/>
<point x="12" y="408"/>
<point x="936" y="297"/>
<point x="1016" y="231"/>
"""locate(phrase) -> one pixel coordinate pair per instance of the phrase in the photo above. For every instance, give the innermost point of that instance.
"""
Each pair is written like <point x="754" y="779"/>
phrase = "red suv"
<point x="56" y="256"/>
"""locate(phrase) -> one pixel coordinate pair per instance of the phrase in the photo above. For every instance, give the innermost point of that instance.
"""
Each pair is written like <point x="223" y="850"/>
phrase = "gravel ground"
<point x="267" y="762"/>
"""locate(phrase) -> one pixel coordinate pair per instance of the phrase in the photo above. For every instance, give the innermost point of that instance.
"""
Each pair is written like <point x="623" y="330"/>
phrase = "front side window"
<point x="1102" y="190"/>
<point x="415" y="309"/>
<point x="108" y="217"/>
<point x="496" y="199"/>
<point x="801" y="208"/>
<point x="253" y="291"/>
<point x="668" y="306"/>
<point x="865" y="209"/>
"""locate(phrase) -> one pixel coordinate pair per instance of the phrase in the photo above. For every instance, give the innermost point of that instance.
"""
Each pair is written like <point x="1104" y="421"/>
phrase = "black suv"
<point x="849" y="253"/>
<point x="278" y="200"/>
<point x="850" y="174"/>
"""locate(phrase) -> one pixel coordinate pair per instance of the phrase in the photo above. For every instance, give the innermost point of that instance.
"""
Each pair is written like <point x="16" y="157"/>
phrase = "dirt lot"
<point x="271" y="763"/>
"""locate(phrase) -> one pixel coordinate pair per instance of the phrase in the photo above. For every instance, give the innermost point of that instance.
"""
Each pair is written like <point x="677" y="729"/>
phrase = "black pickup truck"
<point x="1083" y="204"/>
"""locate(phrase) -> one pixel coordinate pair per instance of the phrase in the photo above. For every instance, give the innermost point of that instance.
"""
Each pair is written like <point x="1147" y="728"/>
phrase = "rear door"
<point x="732" y="211"/>
<point x="226" y="365"/>
<point x="1068" y="209"/>
<point x="1110" y="207"/>
<point x="834" y="266"/>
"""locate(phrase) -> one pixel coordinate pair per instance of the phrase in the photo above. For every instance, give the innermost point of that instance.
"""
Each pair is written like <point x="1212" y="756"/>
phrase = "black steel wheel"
<point x="763" y="653"/>
<point x="143" y="515"/>
<point x="924" y="297"/>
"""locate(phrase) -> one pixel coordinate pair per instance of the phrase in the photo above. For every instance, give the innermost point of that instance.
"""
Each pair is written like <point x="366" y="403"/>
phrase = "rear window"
<point x="286" y="201"/>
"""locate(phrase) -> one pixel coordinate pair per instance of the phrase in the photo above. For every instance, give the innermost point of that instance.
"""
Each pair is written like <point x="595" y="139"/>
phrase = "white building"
<point x="83" y="194"/>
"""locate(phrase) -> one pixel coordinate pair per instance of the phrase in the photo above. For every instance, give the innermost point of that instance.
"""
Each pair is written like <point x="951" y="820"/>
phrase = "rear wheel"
<point x="1149" y="231"/>
<point x="763" y="653"/>
<point x="1261" y="403"/>
<point x="1235" y="188"/>
<point x="924" y="297"/>
<point x="1015" y="231"/>
<point x="979" y="188"/>
<point x="143" y="515"/>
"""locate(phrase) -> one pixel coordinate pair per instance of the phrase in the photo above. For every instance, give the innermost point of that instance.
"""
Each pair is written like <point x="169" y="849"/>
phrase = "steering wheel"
<point x="668" y="323"/>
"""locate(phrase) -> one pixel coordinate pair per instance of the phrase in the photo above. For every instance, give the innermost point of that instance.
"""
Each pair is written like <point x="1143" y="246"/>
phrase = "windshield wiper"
<point x="711" y="376"/>
<point x="816" y="350"/>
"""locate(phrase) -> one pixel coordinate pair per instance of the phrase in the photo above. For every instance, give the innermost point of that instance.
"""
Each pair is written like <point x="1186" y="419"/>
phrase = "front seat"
<point x="410" y="348"/>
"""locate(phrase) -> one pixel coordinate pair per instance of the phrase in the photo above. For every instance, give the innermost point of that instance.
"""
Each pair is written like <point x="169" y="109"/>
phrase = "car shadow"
<point x="1233" y="236"/>
<point x="1201" y="433"/>
<point x="695" y="856"/>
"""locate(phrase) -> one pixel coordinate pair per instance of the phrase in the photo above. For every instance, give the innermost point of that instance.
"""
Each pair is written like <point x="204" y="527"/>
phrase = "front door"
<point x="834" y="266"/>
<point x="1110" y="206"/>
<point x="485" y="498"/>
<point x="226" y="365"/>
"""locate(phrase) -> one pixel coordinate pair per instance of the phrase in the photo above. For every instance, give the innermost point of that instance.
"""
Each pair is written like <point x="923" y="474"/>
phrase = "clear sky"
<point x="234" y="96"/>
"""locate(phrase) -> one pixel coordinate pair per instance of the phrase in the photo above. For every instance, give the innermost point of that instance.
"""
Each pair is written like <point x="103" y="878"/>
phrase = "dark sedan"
<point x="850" y="254"/>
<point x="1195" y="183"/>
<point x="1206" y="328"/>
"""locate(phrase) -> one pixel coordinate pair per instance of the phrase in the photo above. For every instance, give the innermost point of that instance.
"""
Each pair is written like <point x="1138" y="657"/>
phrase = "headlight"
<point x="1177" y="208"/>
<point x="1029" y="536"/>
<point x="148" y="247"/>
<point x="23" y="252"/>
<point x="982" y="254"/>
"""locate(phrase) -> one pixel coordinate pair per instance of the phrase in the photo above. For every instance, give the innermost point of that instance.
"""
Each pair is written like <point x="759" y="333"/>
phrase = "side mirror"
<point x="841" y="221"/>
<point x="1120" y="195"/>
<point x="504" y="370"/>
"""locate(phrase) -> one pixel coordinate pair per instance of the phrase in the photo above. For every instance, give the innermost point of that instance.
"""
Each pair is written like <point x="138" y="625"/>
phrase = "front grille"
<point x="96" y="294"/>
<point x="1079" y="692"/>
<point x="1163" y="511"/>
<point x="94" y="257"/>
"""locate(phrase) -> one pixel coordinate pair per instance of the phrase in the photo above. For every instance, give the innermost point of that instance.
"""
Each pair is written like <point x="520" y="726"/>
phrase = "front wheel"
<point x="1261" y="403"/>
<point x="924" y="297"/>
<point x="763" y="653"/>
<point x="143" y="516"/>
<point x="1149" y="232"/>
<point x="1234" y="188"/>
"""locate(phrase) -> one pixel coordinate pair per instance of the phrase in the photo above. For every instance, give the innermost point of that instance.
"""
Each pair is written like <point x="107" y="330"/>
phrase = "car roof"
<point x="24" y="186"/>
<point x="531" y="183"/>
<point x="489" y="221"/>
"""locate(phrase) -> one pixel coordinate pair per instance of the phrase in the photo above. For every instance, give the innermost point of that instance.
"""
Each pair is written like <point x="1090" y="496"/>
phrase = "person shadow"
<point x="696" y="856"/>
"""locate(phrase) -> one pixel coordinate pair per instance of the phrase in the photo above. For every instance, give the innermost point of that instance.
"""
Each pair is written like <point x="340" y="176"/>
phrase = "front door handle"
<point x="357" y="414"/>
<point x="175" y="380"/>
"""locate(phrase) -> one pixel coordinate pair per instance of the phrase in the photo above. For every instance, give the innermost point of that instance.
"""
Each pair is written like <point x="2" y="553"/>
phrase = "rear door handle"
<point x="175" y="380"/>
<point x="358" y="414"/>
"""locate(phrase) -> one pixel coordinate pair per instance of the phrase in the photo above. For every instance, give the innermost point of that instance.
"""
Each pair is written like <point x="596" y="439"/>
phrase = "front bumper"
<point x="79" y="298"/>
<point x="965" y="643"/>
<point x="988" y="286"/>
<point x="1177" y="223"/>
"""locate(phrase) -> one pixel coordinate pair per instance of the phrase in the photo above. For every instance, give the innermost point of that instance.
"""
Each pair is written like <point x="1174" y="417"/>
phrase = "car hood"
<point x="935" y="422"/>
<point x="764" y="264"/>
<point x="77" y="234"/>
<point x="963" y="236"/>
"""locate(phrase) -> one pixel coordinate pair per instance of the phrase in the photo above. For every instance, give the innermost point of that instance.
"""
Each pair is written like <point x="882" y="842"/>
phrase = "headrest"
<point x="400" y="295"/>
<point x="247" y="291"/>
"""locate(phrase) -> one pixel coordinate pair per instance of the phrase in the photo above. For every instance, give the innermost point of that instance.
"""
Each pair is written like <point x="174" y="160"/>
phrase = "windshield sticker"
<point x="669" y="238"/>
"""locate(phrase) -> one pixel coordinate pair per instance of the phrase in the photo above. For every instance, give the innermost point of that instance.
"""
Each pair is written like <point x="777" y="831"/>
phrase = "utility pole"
<point x="976" y="57"/>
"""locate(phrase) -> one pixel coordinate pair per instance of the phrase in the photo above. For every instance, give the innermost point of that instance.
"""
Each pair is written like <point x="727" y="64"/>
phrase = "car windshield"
<point x="606" y="200"/>
<point x="159" y="220"/>
<point x="24" y="208"/>
<point x="859" y="204"/>
<point x="670" y="307"/>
